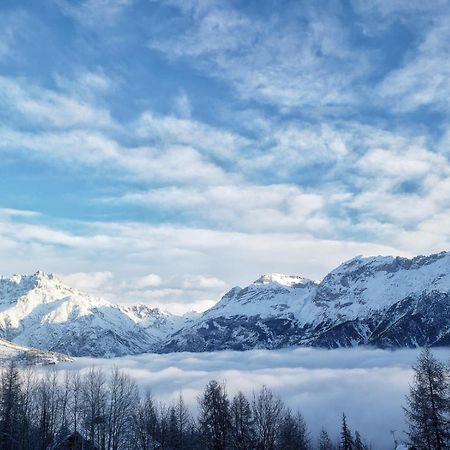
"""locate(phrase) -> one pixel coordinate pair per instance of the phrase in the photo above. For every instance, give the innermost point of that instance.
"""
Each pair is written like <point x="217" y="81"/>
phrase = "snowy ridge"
<point x="41" y="311"/>
<point x="383" y="301"/>
<point x="27" y="356"/>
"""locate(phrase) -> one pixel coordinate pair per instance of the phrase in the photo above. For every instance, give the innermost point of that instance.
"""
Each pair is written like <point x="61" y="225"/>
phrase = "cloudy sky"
<point x="164" y="151"/>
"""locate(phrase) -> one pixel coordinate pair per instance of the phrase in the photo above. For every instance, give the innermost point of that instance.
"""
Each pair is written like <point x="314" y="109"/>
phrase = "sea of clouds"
<point x="369" y="385"/>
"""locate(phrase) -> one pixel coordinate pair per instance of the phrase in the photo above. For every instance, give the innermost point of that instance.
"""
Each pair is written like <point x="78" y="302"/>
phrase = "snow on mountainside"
<point x="27" y="356"/>
<point x="382" y="301"/>
<point x="40" y="311"/>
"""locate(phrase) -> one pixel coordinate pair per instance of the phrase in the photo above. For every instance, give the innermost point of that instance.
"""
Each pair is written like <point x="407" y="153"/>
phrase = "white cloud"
<point x="93" y="149"/>
<point x="89" y="282"/>
<point x="95" y="13"/>
<point x="273" y="61"/>
<point x="50" y="108"/>
<point x="172" y="130"/>
<point x="242" y="207"/>
<point x="131" y="251"/>
<point x="423" y="80"/>
<point x="200" y="282"/>
<point x="369" y="385"/>
<point x="150" y="280"/>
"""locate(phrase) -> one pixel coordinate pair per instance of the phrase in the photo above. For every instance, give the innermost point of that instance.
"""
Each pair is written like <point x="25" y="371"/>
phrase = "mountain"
<point x="380" y="301"/>
<point x="40" y="311"/>
<point x="27" y="356"/>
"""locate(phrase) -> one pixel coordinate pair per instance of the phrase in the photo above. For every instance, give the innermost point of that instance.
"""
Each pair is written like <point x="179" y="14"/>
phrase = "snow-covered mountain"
<point x="382" y="301"/>
<point x="40" y="311"/>
<point x="27" y="356"/>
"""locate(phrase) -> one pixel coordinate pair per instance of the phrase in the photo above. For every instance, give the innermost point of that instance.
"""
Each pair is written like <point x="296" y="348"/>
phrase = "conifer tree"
<point x="347" y="442"/>
<point x="293" y="434"/>
<point x="214" y="416"/>
<point x="325" y="441"/>
<point x="359" y="444"/>
<point x="427" y="410"/>
<point x="10" y="407"/>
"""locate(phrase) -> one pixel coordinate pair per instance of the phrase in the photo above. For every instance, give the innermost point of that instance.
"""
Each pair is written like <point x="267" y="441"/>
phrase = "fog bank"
<point x="368" y="384"/>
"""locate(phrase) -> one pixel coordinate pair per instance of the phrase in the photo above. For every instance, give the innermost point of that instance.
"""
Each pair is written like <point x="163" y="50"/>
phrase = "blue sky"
<point x="164" y="151"/>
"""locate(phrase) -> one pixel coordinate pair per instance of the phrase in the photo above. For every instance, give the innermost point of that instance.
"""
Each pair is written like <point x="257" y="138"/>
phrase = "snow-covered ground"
<point x="368" y="384"/>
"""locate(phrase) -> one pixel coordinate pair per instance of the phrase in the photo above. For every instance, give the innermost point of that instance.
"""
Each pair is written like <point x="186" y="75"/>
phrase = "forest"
<point x="107" y="411"/>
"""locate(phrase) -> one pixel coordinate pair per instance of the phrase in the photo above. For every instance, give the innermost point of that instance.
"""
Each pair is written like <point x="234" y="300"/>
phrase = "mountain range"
<point x="381" y="301"/>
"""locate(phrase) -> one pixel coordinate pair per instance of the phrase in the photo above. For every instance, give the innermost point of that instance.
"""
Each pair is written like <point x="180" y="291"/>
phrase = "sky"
<point x="163" y="152"/>
<point x="369" y="385"/>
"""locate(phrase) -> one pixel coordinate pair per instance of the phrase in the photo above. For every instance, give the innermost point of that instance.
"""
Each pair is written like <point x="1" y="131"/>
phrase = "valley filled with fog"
<point x="369" y="385"/>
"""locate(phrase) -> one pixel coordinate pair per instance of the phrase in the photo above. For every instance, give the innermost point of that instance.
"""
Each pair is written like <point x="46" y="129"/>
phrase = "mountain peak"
<point x="279" y="278"/>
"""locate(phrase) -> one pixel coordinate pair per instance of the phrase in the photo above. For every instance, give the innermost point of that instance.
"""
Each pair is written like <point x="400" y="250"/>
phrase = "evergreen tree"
<point x="359" y="444"/>
<point x="347" y="442"/>
<point x="214" y="416"/>
<point x="11" y="401"/>
<point x="427" y="410"/>
<point x="325" y="441"/>
<point x="293" y="434"/>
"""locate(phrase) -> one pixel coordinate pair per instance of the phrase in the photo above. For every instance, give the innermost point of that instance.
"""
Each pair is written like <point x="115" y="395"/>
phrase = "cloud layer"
<point x="369" y="385"/>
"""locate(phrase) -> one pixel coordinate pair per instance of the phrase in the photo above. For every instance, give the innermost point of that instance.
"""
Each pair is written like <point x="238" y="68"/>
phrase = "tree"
<point x="293" y="434"/>
<point x="11" y="401"/>
<point x="214" y="416"/>
<point x="145" y="421"/>
<point x="122" y="396"/>
<point x="267" y="412"/>
<point x="325" y="441"/>
<point x="346" y="436"/>
<point x="427" y="410"/>
<point x="241" y="423"/>
<point x="359" y="444"/>
<point x="94" y="397"/>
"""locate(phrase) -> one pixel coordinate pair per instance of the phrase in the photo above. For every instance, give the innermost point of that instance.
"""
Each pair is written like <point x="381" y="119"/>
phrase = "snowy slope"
<point x="39" y="310"/>
<point x="27" y="356"/>
<point x="383" y="301"/>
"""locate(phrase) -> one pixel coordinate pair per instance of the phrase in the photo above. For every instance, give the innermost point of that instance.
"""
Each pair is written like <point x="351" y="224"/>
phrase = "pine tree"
<point x="427" y="410"/>
<point x="347" y="442"/>
<point x="325" y="441"/>
<point x="11" y="401"/>
<point x="214" y="416"/>
<point x="359" y="444"/>
<point x="293" y="434"/>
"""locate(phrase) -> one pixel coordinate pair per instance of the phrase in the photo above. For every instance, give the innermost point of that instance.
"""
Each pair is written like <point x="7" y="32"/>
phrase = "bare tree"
<point x="94" y="397"/>
<point x="122" y="397"/>
<point x="242" y="423"/>
<point x="267" y="412"/>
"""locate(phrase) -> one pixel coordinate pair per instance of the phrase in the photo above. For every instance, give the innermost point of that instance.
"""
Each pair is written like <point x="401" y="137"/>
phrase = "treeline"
<point x="107" y="412"/>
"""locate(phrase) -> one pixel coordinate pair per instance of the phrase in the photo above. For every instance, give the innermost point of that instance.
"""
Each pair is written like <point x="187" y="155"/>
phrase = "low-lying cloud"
<point x="369" y="385"/>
